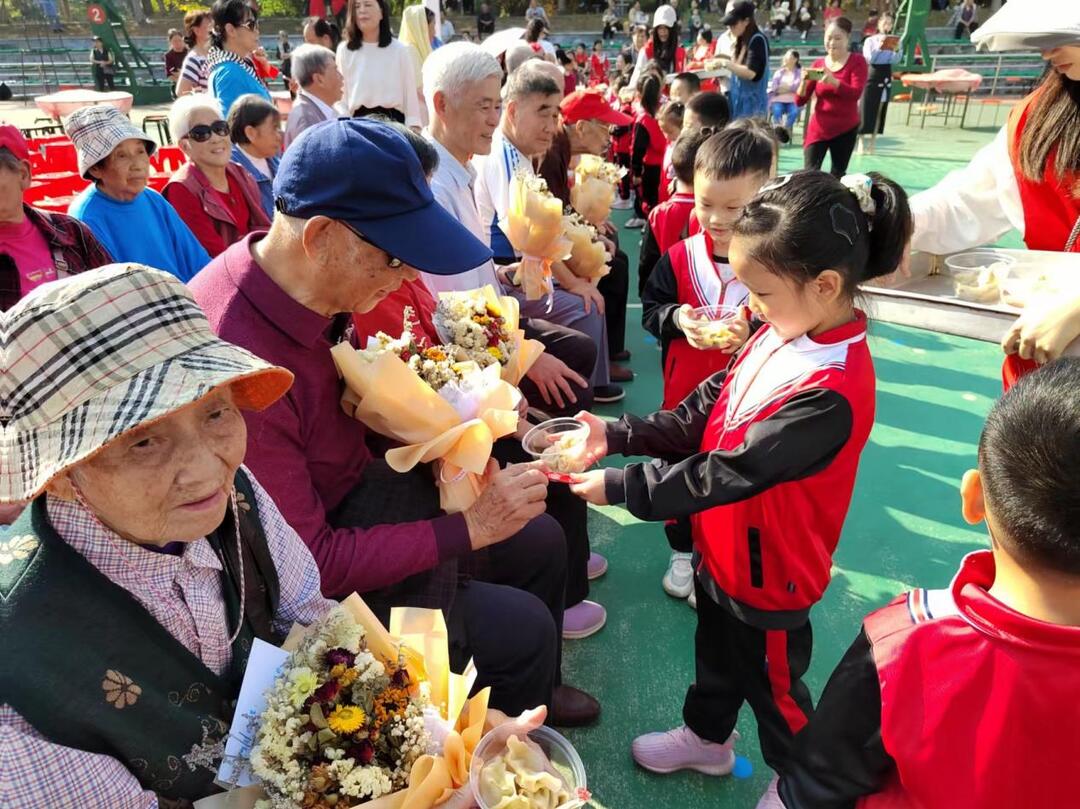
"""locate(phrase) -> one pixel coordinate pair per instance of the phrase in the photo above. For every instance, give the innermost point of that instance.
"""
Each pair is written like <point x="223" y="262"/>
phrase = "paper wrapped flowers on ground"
<point x="347" y="714"/>
<point x="534" y="227"/>
<point x="588" y="256"/>
<point x="595" y="184"/>
<point x="487" y="328"/>
<point x="441" y="405"/>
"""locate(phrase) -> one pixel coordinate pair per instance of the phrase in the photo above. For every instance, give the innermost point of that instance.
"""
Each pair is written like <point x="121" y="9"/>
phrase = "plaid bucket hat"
<point x="97" y="130"/>
<point x="91" y="357"/>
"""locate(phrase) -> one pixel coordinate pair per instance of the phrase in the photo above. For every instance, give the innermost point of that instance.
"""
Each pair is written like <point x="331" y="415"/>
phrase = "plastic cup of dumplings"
<point x="559" y="444"/>
<point x="713" y="323"/>
<point x="965" y="268"/>
<point x="566" y="764"/>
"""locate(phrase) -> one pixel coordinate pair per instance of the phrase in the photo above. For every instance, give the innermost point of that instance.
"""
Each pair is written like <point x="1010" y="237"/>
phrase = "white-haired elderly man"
<point x="315" y="69"/>
<point x="462" y="91"/>
<point x="215" y="197"/>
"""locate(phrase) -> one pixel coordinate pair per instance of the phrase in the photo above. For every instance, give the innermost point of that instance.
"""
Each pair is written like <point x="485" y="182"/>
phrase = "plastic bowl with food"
<point x="977" y="274"/>
<point x="1026" y="283"/>
<point x="559" y="444"/>
<point x="547" y="759"/>
<point x="713" y="324"/>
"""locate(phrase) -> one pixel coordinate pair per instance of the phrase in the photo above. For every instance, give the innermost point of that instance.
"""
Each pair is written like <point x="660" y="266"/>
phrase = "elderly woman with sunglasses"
<point x="147" y="559"/>
<point x="214" y="196"/>
<point x="233" y="43"/>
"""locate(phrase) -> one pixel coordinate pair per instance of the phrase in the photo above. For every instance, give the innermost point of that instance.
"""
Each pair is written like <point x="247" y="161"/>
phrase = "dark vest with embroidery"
<point x="88" y="667"/>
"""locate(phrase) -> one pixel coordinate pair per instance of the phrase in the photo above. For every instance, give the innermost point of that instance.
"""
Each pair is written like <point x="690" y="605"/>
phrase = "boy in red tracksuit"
<point x="967" y="696"/>
<point x="763" y="458"/>
<point x="646" y="152"/>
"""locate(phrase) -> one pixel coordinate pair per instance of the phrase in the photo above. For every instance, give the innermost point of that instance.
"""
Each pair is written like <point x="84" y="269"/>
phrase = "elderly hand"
<point x="554" y="378"/>
<point x="1043" y="333"/>
<point x="589" y="295"/>
<point x="589" y="486"/>
<point x="511" y="498"/>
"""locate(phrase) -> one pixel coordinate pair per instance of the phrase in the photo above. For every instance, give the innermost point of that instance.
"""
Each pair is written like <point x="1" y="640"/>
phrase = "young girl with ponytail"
<point x="762" y="457"/>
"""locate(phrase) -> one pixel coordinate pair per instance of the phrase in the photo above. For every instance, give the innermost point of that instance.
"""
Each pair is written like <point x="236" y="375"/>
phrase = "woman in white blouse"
<point x="380" y="75"/>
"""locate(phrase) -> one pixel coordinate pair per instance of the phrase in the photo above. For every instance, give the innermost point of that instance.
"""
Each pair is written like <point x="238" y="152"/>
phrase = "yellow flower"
<point x="496" y="353"/>
<point x="302" y="684"/>
<point x="434" y="353"/>
<point x="348" y="677"/>
<point x="346" y="719"/>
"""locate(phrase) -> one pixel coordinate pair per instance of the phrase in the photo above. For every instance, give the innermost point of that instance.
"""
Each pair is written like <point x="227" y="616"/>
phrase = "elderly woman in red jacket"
<point x="215" y="197"/>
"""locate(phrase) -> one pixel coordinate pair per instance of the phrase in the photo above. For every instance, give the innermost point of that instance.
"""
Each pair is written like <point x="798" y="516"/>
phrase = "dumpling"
<point x="515" y="802"/>
<point x="496" y="782"/>
<point x="524" y="756"/>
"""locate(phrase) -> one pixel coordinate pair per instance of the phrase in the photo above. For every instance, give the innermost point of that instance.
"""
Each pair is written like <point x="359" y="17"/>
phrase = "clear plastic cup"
<point x="559" y="444"/>
<point x="713" y="324"/>
<point x="977" y="274"/>
<point x="1024" y="283"/>
<point x="565" y="761"/>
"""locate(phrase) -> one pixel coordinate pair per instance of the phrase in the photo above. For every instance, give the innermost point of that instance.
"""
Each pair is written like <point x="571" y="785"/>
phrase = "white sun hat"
<point x="665" y="15"/>
<point x="1023" y="25"/>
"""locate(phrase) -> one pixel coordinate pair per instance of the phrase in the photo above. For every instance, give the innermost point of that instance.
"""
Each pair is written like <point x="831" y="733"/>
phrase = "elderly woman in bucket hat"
<point x="148" y="559"/>
<point x="135" y="223"/>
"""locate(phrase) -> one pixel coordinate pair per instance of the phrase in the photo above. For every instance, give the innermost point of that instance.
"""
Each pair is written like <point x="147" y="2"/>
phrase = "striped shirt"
<point x="196" y="69"/>
<point x="183" y="593"/>
<point x="494" y="172"/>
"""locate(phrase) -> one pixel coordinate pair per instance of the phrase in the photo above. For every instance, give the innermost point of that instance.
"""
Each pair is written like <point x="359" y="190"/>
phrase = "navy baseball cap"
<point x="366" y="175"/>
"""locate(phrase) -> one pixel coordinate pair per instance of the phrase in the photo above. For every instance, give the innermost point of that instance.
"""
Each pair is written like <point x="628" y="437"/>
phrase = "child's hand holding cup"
<point x="713" y="328"/>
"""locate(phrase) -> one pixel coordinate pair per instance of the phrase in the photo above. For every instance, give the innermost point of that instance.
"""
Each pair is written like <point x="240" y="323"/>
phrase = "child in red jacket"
<point x="763" y="457"/>
<point x="967" y="696"/>
<point x="671" y="121"/>
<point x="647" y="151"/>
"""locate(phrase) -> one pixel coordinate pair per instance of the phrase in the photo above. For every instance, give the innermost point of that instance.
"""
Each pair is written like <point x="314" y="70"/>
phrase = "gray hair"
<point x="451" y="68"/>
<point x="518" y="54"/>
<point x="532" y="78"/>
<point x="308" y="61"/>
<point x="185" y="108"/>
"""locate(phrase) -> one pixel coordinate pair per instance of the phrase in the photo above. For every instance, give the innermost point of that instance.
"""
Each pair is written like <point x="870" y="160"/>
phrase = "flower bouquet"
<point x="534" y="227"/>
<point x="347" y="714"/>
<point x="588" y="257"/>
<point x="595" y="184"/>
<point x="485" y="326"/>
<point x="436" y="401"/>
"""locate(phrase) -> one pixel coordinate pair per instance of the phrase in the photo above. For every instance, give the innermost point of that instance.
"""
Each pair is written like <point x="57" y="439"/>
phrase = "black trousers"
<point x="737" y="663"/>
<point x="572" y="514"/>
<point x="615" y="287"/>
<point x="503" y="604"/>
<point x="875" y="100"/>
<point x="679" y="535"/>
<point x="840" y="148"/>
<point x="573" y="348"/>
<point x="623" y="160"/>
<point x="649" y="191"/>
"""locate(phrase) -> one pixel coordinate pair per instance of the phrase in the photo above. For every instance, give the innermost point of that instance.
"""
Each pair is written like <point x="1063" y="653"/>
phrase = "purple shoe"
<point x="597" y="566"/>
<point x="682" y="749"/>
<point x="582" y="620"/>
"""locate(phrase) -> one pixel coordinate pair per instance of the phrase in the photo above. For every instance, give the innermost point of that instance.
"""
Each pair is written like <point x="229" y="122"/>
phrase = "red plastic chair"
<point x="168" y="159"/>
<point x="61" y="157"/>
<point x="43" y="197"/>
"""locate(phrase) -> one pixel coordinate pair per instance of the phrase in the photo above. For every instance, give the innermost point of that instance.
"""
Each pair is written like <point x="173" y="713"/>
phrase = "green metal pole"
<point x="911" y="19"/>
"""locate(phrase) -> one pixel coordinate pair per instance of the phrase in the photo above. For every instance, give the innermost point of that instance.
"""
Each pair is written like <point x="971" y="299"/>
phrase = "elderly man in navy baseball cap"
<point x="354" y="219"/>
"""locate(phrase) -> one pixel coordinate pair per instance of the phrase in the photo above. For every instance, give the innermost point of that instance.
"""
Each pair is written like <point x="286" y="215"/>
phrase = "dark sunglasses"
<point x="251" y="25"/>
<point x="201" y="133"/>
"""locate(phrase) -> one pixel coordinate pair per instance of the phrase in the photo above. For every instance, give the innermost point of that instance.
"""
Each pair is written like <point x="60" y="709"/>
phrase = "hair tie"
<point x="861" y="185"/>
<point x="779" y="182"/>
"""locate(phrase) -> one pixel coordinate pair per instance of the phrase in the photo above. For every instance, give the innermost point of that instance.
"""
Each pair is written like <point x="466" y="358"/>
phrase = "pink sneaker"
<point x="682" y="749"/>
<point x="597" y="566"/>
<point x="583" y="620"/>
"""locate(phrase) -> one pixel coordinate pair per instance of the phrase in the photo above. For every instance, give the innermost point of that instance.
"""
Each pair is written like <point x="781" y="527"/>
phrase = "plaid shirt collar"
<point x="57" y="232"/>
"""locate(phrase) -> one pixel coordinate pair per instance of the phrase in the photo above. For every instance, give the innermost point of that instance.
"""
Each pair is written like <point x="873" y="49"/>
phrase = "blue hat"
<point x="367" y="175"/>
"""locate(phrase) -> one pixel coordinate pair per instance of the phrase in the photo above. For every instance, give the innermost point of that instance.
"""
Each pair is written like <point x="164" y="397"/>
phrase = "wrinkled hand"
<point x="555" y="379"/>
<point x="511" y="497"/>
<point x="596" y="446"/>
<point x="1042" y="334"/>
<point x="589" y="294"/>
<point x="589" y="486"/>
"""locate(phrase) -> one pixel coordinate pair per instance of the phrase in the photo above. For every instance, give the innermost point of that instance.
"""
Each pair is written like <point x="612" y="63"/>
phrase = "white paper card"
<point x="263" y="666"/>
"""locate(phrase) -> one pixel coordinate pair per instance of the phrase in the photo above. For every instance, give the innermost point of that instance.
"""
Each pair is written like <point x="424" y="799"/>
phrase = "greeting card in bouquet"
<point x="534" y="228"/>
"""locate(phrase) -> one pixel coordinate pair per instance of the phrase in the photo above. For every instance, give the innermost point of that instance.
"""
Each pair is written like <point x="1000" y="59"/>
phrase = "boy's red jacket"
<point x="668" y="224"/>
<point x="948" y="698"/>
<point x="687" y="274"/>
<point x="763" y="459"/>
<point x="653" y="149"/>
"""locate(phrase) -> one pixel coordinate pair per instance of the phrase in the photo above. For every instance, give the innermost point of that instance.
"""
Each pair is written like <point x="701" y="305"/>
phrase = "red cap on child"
<point x="590" y="105"/>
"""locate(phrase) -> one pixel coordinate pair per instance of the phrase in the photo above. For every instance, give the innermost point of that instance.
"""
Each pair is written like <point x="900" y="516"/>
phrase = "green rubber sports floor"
<point x="904" y="527"/>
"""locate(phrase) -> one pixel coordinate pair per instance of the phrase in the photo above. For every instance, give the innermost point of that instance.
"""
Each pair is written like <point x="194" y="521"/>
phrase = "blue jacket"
<point x="146" y="230"/>
<point x="266" y="184"/>
<point x="229" y="81"/>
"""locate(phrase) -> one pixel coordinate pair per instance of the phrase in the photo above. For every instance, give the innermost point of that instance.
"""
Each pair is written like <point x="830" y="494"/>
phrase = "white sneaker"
<point x="634" y="223"/>
<point x="622" y="204"/>
<point x="679" y="579"/>
<point x="692" y="600"/>
<point x="682" y="749"/>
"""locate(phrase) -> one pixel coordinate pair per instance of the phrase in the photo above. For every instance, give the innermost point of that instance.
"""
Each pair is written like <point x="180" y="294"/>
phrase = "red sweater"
<point x="837" y="109"/>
